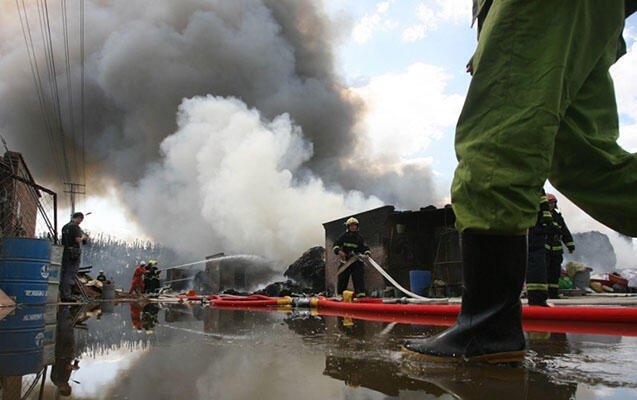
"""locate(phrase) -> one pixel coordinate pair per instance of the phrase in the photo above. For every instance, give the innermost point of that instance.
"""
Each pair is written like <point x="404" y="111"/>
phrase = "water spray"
<point x="186" y="265"/>
<point x="215" y="259"/>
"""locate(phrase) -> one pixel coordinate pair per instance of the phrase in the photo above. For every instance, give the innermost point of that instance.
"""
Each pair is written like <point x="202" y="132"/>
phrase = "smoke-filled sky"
<point x="242" y="126"/>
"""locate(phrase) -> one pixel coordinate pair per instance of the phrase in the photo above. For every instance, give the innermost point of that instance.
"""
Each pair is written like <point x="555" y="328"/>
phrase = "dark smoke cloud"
<point x="143" y="59"/>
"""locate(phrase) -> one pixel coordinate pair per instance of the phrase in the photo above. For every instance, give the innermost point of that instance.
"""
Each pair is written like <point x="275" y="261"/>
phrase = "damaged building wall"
<point x="426" y="240"/>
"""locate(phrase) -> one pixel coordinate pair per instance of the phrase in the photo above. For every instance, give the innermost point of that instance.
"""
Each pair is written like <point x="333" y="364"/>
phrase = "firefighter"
<point x="151" y="279"/>
<point x="537" y="268"/>
<point x="559" y="234"/>
<point x="541" y="104"/>
<point x="351" y="244"/>
<point x="138" y="279"/>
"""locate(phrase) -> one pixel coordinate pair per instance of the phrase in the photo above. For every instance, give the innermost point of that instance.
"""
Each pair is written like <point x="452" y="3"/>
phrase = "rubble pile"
<point x="306" y="276"/>
<point x="309" y="269"/>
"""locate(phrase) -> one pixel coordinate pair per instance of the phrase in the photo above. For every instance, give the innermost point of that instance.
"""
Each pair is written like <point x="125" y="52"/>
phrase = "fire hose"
<point x="384" y="273"/>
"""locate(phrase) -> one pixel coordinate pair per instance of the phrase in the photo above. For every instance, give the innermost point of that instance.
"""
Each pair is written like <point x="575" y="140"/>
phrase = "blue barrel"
<point x="25" y="318"/>
<point x="419" y="281"/>
<point x="24" y="269"/>
<point x="22" y="339"/>
<point x="21" y="363"/>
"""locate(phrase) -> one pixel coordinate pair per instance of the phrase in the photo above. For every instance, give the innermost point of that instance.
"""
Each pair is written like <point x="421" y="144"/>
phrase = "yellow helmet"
<point x="350" y="221"/>
<point x="152" y="262"/>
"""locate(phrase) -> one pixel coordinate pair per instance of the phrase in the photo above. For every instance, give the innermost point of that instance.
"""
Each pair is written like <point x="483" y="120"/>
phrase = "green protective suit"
<point x="541" y="105"/>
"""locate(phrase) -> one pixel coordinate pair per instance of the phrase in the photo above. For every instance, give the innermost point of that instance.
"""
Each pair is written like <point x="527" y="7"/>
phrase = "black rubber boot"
<point x="538" y="298"/>
<point x="554" y="293"/>
<point x="489" y="326"/>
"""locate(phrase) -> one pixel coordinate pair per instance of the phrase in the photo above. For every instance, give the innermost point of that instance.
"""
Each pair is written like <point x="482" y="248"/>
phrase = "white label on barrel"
<point x="39" y="339"/>
<point x="35" y="293"/>
<point x="33" y="317"/>
<point x="44" y="271"/>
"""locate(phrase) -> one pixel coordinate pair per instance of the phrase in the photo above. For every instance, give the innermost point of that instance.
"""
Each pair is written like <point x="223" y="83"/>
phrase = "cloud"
<point x="431" y="15"/>
<point x="367" y="26"/>
<point x="625" y="79"/>
<point x="428" y="21"/>
<point x="407" y="111"/>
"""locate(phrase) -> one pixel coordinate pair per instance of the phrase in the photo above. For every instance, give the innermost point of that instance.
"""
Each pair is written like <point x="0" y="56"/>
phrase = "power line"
<point x="28" y="38"/>
<point x="82" y="86"/>
<point x="66" y="136"/>
<point x="69" y="88"/>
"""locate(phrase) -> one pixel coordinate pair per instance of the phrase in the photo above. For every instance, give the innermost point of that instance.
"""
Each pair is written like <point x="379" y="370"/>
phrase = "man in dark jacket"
<point x="72" y="237"/>
<point x="350" y="244"/>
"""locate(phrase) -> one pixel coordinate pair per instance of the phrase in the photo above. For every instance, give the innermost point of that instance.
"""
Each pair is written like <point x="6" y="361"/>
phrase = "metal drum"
<point x="24" y="269"/>
<point x="55" y="270"/>
<point x="22" y="340"/>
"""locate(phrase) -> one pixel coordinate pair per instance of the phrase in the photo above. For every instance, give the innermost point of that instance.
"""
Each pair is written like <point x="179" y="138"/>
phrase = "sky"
<point x="243" y="126"/>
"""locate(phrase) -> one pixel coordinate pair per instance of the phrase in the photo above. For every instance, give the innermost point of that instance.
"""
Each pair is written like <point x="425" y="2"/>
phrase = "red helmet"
<point x="550" y="196"/>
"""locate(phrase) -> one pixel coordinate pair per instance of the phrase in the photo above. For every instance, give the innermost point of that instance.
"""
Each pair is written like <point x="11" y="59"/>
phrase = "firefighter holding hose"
<point x="348" y="246"/>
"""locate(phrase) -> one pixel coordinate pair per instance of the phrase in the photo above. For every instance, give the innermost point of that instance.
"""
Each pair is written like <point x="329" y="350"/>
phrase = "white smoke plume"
<point x="234" y="173"/>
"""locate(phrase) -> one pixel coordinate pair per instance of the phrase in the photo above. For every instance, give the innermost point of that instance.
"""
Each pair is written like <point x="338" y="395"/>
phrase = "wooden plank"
<point x="5" y="301"/>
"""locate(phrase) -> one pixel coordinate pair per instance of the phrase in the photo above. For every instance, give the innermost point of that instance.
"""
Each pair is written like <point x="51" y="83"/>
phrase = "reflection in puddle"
<point x="166" y="351"/>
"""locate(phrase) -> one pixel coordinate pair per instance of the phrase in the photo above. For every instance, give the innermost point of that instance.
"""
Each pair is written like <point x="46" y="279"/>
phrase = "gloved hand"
<point x="571" y="249"/>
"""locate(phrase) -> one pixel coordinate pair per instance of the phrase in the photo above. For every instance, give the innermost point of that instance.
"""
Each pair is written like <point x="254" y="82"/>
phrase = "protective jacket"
<point x="351" y="243"/>
<point x="559" y="234"/>
<point x="139" y="272"/>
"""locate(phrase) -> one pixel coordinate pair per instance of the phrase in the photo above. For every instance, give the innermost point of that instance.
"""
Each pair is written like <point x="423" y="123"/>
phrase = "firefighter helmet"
<point x="152" y="262"/>
<point x="551" y="196"/>
<point x="350" y="221"/>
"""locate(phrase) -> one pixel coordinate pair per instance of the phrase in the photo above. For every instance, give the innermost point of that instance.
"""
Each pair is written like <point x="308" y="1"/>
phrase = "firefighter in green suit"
<point x="540" y="105"/>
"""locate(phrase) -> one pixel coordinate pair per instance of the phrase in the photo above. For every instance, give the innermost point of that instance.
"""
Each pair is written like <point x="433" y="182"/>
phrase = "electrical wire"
<point x="66" y="135"/>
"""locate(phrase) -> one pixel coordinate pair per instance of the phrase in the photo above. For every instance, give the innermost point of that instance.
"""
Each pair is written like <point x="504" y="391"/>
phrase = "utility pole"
<point x="74" y="188"/>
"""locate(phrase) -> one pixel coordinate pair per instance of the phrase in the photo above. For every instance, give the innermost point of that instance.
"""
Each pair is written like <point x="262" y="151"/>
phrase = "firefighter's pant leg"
<point x="358" y="278"/>
<point x="343" y="280"/>
<point x="532" y="79"/>
<point x="536" y="277"/>
<point x="68" y="274"/>
<point x="588" y="166"/>
<point x="553" y="271"/>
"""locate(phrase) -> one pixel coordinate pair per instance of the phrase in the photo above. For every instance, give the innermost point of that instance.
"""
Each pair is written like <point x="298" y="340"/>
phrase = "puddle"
<point x="181" y="351"/>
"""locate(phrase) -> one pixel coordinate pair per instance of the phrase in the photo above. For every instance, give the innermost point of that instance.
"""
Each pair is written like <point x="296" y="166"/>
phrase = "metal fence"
<point x="26" y="208"/>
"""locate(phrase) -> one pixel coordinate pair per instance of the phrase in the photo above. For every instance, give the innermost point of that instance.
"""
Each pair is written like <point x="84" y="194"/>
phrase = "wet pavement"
<point x="182" y="351"/>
